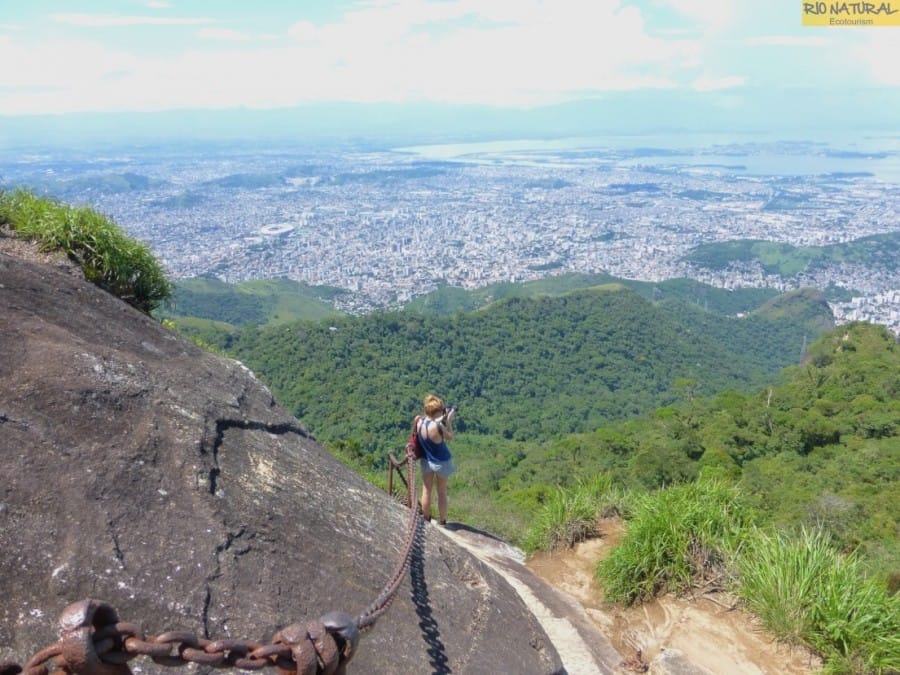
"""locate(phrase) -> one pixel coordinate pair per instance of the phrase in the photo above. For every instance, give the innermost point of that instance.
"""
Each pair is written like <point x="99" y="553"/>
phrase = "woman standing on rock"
<point x="434" y="430"/>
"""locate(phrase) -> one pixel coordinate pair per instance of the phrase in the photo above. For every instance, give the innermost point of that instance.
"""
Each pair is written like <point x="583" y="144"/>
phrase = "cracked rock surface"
<point x="140" y="470"/>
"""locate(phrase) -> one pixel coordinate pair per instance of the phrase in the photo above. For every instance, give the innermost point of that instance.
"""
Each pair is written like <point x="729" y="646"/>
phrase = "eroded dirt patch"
<point x="711" y="630"/>
<point x="31" y="251"/>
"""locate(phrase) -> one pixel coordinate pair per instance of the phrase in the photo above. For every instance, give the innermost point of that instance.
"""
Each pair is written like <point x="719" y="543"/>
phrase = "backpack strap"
<point x="426" y="422"/>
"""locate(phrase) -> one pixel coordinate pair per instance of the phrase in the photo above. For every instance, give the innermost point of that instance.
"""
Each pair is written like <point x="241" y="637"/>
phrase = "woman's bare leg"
<point x="427" y="479"/>
<point x="442" y="497"/>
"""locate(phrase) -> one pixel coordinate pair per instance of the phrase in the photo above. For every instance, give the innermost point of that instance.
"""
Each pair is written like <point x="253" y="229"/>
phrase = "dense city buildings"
<point x="388" y="225"/>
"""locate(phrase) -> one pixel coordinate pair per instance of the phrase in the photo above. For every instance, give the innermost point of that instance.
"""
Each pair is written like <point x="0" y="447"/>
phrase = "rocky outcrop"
<point x="165" y="480"/>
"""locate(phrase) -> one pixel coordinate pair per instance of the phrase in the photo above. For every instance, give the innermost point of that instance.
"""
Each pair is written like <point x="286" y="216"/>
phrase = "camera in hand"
<point x="449" y="409"/>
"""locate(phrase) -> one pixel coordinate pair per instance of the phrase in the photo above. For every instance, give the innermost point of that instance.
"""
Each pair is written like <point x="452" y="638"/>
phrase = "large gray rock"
<point x="143" y="471"/>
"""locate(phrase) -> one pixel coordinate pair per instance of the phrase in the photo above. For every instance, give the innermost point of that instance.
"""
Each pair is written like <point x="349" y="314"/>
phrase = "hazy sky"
<point x="143" y="55"/>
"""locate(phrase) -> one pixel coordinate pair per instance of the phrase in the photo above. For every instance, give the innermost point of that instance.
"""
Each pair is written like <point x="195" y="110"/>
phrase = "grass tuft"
<point x="805" y="591"/>
<point x="109" y="258"/>
<point x="676" y="538"/>
<point x="570" y="515"/>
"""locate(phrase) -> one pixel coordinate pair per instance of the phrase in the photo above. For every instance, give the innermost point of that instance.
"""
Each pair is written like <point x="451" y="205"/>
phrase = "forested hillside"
<point x="266" y="301"/>
<point x="556" y="389"/>
<point x="821" y="448"/>
<point x="449" y="300"/>
<point x="262" y="301"/>
<point x="520" y="369"/>
<point x="874" y="251"/>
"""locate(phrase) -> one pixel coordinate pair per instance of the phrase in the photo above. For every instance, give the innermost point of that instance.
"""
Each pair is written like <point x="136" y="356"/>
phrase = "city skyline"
<point x="360" y="219"/>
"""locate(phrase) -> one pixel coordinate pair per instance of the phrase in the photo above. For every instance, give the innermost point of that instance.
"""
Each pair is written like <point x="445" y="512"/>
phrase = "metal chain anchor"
<point x="94" y="642"/>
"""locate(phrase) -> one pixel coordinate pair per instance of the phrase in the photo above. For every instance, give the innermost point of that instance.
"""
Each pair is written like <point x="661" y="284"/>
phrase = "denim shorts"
<point x="442" y="469"/>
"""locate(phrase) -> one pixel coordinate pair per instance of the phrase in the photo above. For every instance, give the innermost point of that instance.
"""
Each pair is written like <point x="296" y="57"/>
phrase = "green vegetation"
<point x="569" y="515"/>
<point x="521" y="369"/>
<point x="448" y="300"/>
<point x="805" y="307"/>
<point x="108" y="257"/>
<point x="687" y="538"/>
<point x="880" y="250"/>
<point x="263" y="302"/>
<point x="795" y="510"/>
<point x="676" y="538"/>
<point x="805" y="591"/>
<point x="821" y="449"/>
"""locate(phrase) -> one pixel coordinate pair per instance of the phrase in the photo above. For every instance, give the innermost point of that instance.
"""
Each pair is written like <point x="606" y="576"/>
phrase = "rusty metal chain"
<point x="386" y="597"/>
<point x="94" y="642"/>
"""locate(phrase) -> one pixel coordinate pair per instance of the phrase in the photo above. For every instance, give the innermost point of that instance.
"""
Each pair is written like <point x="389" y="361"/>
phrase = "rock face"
<point x="164" y="480"/>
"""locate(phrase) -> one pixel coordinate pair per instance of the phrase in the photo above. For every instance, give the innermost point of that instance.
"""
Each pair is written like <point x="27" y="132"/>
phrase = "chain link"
<point x="94" y="642"/>
<point x="386" y="597"/>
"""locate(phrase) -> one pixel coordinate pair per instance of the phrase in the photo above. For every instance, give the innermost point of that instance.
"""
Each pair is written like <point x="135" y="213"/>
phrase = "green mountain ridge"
<point x="213" y="311"/>
<point x="522" y="368"/>
<point x="806" y="306"/>
<point x="448" y="300"/>
<point x="258" y="301"/>
<point x="262" y="301"/>
<point x="875" y="251"/>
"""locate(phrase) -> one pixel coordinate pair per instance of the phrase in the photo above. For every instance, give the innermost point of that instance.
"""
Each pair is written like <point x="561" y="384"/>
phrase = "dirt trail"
<point x="580" y="643"/>
<point x="709" y="630"/>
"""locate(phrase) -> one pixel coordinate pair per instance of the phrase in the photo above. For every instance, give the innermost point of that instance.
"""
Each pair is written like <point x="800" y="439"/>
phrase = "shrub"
<point x="108" y="257"/>
<point x="570" y="515"/>
<point x="676" y="537"/>
<point x="804" y="590"/>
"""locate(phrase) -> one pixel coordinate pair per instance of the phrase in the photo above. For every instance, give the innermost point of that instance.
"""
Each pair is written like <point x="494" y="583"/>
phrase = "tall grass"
<point x="570" y="514"/>
<point x="800" y="586"/>
<point x="805" y="591"/>
<point x="108" y="257"/>
<point x="676" y="537"/>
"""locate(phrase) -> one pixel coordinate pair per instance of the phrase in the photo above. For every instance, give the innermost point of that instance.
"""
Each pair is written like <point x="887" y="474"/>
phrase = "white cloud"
<point x="880" y="54"/>
<point x="706" y="83"/>
<point x="709" y="15"/>
<point x="59" y="76"/>
<point x="303" y="31"/>
<point x="788" y="40"/>
<point x="463" y="51"/>
<point x="522" y="53"/>
<point x="500" y="53"/>
<point x="225" y="34"/>
<point x="107" y="20"/>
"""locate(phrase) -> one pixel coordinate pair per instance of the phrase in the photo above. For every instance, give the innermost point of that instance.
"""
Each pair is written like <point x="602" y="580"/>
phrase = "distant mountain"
<point x="263" y="301"/>
<point x="520" y="368"/>
<point x="182" y="200"/>
<point x="806" y="307"/>
<point x="247" y="181"/>
<point x="279" y="300"/>
<point x="769" y="110"/>
<point x="880" y="251"/>
<point x="66" y="186"/>
<point x="448" y="300"/>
